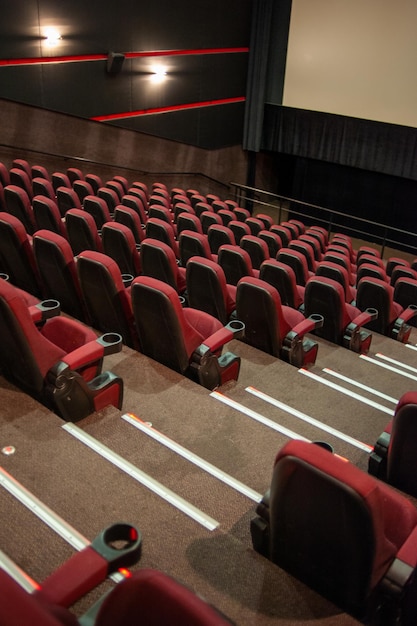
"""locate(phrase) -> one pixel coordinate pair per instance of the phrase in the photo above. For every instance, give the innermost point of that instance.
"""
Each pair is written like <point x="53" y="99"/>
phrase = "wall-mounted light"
<point x="159" y="74"/>
<point x="52" y="37"/>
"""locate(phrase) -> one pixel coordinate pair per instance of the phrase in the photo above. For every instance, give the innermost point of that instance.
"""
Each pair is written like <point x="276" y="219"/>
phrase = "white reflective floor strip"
<point x="309" y="420"/>
<point x="355" y="383"/>
<point x="347" y="392"/>
<point x="43" y="512"/>
<point x="141" y="477"/>
<point x="257" y="416"/>
<point x="18" y="575"/>
<point x="395" y="370"/>
<point x="410" y="346"/>
<point x="394" y="362"/>
<point x="193" y="458"/>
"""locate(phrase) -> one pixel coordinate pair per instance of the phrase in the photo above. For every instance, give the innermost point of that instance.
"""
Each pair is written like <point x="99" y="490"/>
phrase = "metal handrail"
<point x="383" y="234"/>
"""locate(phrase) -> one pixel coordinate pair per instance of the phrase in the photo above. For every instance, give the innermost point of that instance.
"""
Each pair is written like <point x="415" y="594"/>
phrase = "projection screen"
<point x="354" y="57"/>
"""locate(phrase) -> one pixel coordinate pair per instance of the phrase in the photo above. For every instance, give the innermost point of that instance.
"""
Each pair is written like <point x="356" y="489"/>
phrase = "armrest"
<point x="89" y="567"/>
<point x="364" y="318"/>
<point x="306" y="326"/>
<point x="402" y="568"/>
<point x="377" y="462"/>
<point x="44" y="310"/>
<point x="408" y="314"/>
<point x="233" y="330"/>
<point x="108" y="343"/>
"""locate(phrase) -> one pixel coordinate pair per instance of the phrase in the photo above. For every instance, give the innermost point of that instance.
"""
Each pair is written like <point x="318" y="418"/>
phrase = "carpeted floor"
<point x="90" y="492"/>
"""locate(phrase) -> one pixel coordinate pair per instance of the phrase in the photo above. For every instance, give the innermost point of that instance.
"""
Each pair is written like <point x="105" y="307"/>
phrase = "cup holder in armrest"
<point x="317" y="319"/>
<point x="127" y="279"/>
<point x="112" y="342"/>
<point x="372" y="312"/>
<point x="4" y="276"/>
<point x="237" y="327"/>
<point x="120" y="545"/>
<point x="49" y="308"/>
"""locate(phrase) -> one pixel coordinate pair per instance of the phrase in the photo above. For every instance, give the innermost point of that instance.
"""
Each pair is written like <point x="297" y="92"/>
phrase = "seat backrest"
<point x="255" y="225"/>
<point x="188" y="221"/>
<point x="107" y="300"/>
<point x="16" y="255"/>
<point x="94" y="180"/>
<point x="74" y="173"/>
<point x="306" y="250"/>
<point x="57" y="267"/>
<point x="21" y="179"/>
<point x="257" y="249"/>
<point x="110" y="196"/>
<point x="338" y="273"/>
<point x="59" y="179"/>
<point x="82" y="231"/>
<point x="298" y="262"/>
<point x="158" y="261"/>
<point x="137" y="204"/>
<point x="378" y="294"/>
<point x="67" y="199"/>
<point x="402" y="458"/>
<point x="206" y="288"/>
<point x="162" y="230"/>
<point x="18" y="203"/>
<point x="239" y="229"/>
<point x="272" y="240"/>
<point x="193" y="244"/>
<point x="283" y="232"/>
<point x="47" y="215"/>
<point x="405" y="293"/>
<point x="119" y="243"/>
<point x="219" y="235"/>
<point x="130" y="218"/>
<point x="208" y="218"/>
<point x="326" y="297"/>
<point x="241" y="214"/>
<point x="164" y="334"/>
<point x="98" y="209"/>
<point x="82" y="188"/>
<point x="43" y="187"/>
<point x="258" y="306"/>
<point x="371" y="270"/>
<point x="282" y="277"/>
<point x="235" y="262"/>
<point x="332" y="525"/>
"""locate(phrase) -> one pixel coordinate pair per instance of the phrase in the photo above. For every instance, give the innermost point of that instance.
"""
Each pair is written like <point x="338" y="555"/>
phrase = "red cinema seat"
<point x="184" y="339"/>
<point x="59" y="362"/>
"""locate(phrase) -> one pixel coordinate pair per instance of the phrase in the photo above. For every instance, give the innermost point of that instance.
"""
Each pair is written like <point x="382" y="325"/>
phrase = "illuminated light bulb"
<point x="52" y="37"/>
<point x="158" y="74"/>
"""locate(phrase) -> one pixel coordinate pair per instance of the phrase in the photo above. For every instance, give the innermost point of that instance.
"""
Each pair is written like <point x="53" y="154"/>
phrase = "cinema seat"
<point x="83" y="189"/>
<point x="345" y="534"/>
<point x="273" y="328"/>
<point x="257" y="249"/>
<point x="207" y="289"/>
<point x="342" y="321"/>
<point x="192" y="244"/>
<point x="298" y="262"/>
<point x="392" y="319"/>
<point x="394" y="458"/>
<point x="67" y="199"/>
<point x="219" y="235"/>
<point x="43" y="187"/>
<point x="106" y="295"/>
<point x="405" y="294"/>
<point x="186" y="340"/>
<point x="59" y="362"/>
<point x="58" y="270"/>
<point x="127" y="216"/>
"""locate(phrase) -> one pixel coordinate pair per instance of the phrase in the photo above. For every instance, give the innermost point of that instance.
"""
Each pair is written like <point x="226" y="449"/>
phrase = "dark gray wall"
<point x="97" y="27"/>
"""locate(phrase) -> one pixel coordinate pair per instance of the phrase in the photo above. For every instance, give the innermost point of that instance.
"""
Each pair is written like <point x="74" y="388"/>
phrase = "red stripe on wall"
<point x="128" y="55"/>
<point x="167" y="109"/>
